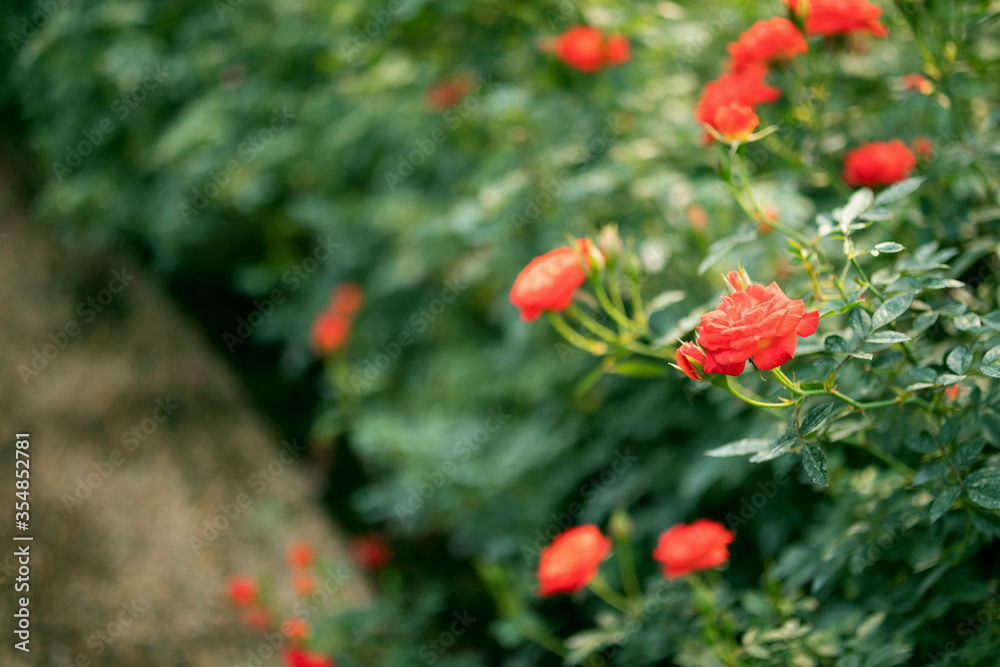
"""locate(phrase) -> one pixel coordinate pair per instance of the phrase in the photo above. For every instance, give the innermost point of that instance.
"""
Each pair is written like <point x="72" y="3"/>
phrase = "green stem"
<point x="626" y="565"/>
<point x="592" y="325"/>
<point x="883" y="456"/>
<point x="617" y="315"/>
<point x="609" y="595"/>
<point x="864" y="277"/>
<point x="595" y="347"/>
<point x="544" y="639"/>
<point x="723" y="381"/>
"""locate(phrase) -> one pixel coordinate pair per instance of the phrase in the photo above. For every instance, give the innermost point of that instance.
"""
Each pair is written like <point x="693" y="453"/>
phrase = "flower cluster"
<point x="588" y="49"/>
<point x="332" y="328"/>
<point x="754" y="322"/>
<point x="244" y="593"/>
<point x="572" y="561"/>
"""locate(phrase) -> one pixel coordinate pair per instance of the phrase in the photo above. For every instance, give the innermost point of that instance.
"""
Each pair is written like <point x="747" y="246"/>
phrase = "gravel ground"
<point x="119" y="487"/>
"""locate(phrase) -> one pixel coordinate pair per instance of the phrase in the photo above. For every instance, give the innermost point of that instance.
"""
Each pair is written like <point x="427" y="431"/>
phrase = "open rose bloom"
<point x="687" y="548"/>
<point x="879" y="163"/>
<point x="549" y="282"/>
<point x="746" y="88"/>
<point x="758" y="323"/>
<point x="766" y="42"/>
<point x="571" y="561"/>
<point x="589" y="49"/>
<point x="840" y="17"/>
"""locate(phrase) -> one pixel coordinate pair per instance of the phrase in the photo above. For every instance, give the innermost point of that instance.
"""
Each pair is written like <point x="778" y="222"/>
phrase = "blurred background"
<point x="184" y="185"/>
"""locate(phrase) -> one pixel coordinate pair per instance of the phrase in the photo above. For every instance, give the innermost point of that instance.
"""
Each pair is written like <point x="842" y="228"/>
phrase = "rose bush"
<point x="854" y="458"/>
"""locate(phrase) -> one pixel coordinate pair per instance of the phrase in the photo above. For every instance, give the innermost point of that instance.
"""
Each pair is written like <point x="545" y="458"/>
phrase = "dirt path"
<point x="138" y="434"/>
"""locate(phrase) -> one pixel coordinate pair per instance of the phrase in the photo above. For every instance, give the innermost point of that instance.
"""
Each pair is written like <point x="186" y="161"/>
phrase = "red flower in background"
<point x="879" y="163"/>
<point x="297" y="657"/>
<point x="735" y="122"/>
<point x="346" y="299"/>
<point x="766" y="42"/>
<point x="257" y="618"/>
<point x="686" y="548"/>
<point x="758" y="323"/>
<point x="329" y="333"/>
<point x="550" y="281"/>
<point x="923" y="147"/>
<point x="295" y="629"/>
<point x="571" y="561"/>
<point x="589" y="50"/>
<point x="442" y="95"/>
<point x="371" y="552"/>
<point x="242" y="591"/>
<point x="689" y="354"/>
<point x="332" y="327"/>
<point x="746" y="87"/>
<point x="300" y="555"/>
<point x="918" y="83"/>
<point x="840" y="17"/>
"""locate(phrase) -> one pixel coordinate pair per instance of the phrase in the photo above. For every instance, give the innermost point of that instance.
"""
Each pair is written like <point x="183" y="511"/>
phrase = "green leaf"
<point x="992" y="320"/>
<point x="814" y="462"/>
<point x="969" y="452"/>
<point x="887" y="247"/>
<point x="987" y="523"/>
<point x="899" y="190"/>
<point x="861" y="322"/>
<point x="959" y="359"/>
<point x="882" y="337"/>
<point x="949" y="430"/>
<point x="992" y="355"/>
<point x="992" y="370"/>
<point x="836" y="343"/>
<point x="983" y="487"/>
<point x="663" y="300"/>
<point x="924" y="320"/>
<point x="815" y="418"/>
<point x="969" y="322"/>
<point x="891" y="309"/>
<point x="944" y="502"/>
<point x="931" y="471"/>
<point x="741" y="447"/>
<point x="859" y="202"/>
<point x="922" y="443"/>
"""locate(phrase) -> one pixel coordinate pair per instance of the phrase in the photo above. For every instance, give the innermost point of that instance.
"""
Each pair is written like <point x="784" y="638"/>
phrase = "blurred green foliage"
<point x="235" y="140"/>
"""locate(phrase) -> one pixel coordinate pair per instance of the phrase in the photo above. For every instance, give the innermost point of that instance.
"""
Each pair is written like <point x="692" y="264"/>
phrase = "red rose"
<point x="443" y="95"/>
<point x="879" y="163"/>
<point x="297" y="657"/>
<point x="571" y="561"/>
<point x="689" y="354"/>
<point x="766" y="42"/>
<point x="588" y="49"/>
<point x="299" y="554"/>
<point x="841" y="17"/>
<point x="371" y="552"/>
<point x="346" y="299"/>
<point x="685" y="548"/>
<point x="550" y="281"/>
<point x="329" y="333"/>
<point x="304" y="585"/>
<point x="242" y="591"/>
<point x="758" y="323"/>
<point x="746" y="87"/>
<point x="735" y="122"/>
